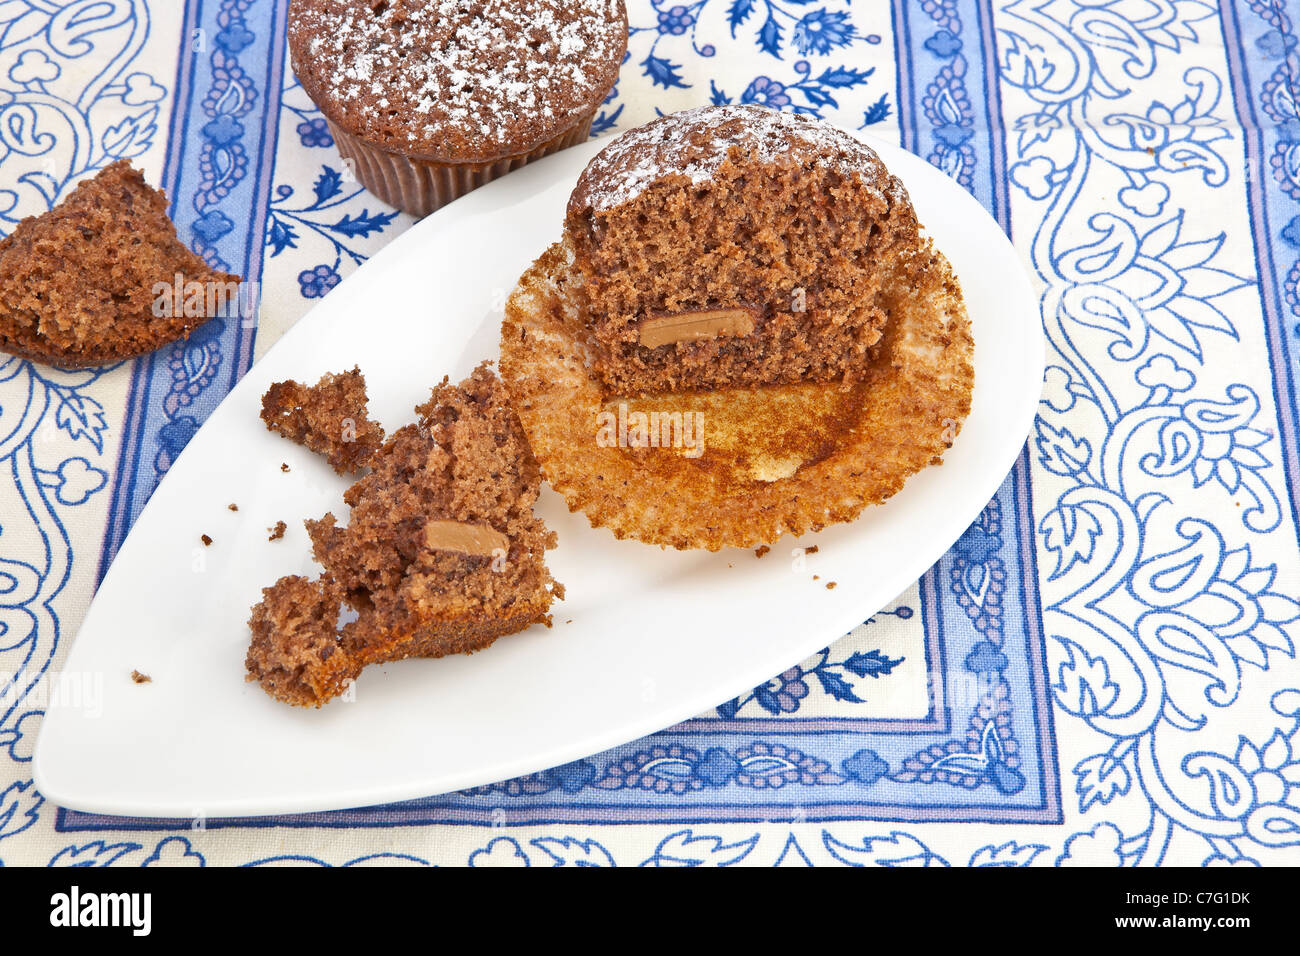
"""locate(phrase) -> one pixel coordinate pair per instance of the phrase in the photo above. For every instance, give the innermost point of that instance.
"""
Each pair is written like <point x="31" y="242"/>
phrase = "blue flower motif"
<point x="985" y="658"/>
<point x="78" y="479"/>
<point x="315" y="132"/>
<point x="175" y="851"/>
<point x="944" y="44"/>
<point x="235" y="37"/>
<point x="212" y="226"/>
<point x="953" y="134"/>
<point x="1275" y="44"/>
<point x="766" y="92"/>
<point x="223" y="130"/>
<point x="34" y="67"/>
<point x="822" y="30"/>
<point x="571" y="777"/>
<point x="865" y="766"/>
<point x="503" y="851"/>
<point x="1289" y="132"/>
<point x="1291" y="233"/>
<point x="1006" y="780"/>
<point x="1163" y="370"/>
<point x="176" y="434"/>
<point x="717" y="767"/>
<point x="676" y="20"/>
<point x="316" y="282"/>
<point x="782" y="694"/>
<point x="976" y="545"/>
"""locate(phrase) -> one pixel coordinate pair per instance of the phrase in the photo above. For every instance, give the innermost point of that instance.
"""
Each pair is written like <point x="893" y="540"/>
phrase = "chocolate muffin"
<point x="432" y="98"/>
<point x="735" y="246"/>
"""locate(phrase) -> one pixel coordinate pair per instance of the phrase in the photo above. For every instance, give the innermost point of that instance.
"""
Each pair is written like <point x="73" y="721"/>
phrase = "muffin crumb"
<point x="206" y="539"/>
<point x="139" y="678"/>
<point x="278" y="531"/>
<point x="330" y="418"/>
<point x="761" y="550"/>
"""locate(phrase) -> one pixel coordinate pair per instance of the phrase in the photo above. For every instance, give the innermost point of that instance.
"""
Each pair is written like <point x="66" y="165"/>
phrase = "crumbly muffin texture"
<point x="297" y="652"/>
<point x="457" y="80"/>
<point x="77" y="284"/>
<point x="329" y="417"/>
<point x="466" y="462"/>
<point x="785" y="221"/>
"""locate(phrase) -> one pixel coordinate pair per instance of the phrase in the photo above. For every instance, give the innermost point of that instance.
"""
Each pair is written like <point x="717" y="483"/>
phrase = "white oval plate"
<point x="655" y="637"/>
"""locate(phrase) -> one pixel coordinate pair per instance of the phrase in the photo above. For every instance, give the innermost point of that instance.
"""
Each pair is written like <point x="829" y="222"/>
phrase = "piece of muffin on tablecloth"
<point x="103" y="277"/>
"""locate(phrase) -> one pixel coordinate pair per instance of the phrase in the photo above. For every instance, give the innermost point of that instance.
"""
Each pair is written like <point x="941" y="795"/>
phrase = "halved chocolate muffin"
<point x="736" y="246"/>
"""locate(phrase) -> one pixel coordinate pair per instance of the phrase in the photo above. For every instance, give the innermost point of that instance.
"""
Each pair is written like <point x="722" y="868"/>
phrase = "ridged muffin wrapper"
<point x="420" y="186"/>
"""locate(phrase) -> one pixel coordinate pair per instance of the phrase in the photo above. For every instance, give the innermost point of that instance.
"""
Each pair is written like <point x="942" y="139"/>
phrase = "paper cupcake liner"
<point x="420" y="186"/>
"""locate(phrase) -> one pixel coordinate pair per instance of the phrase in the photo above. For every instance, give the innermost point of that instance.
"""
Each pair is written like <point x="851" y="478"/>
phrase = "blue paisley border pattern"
<point x="1273" y="186"/>
<point x="1158" y="620"/>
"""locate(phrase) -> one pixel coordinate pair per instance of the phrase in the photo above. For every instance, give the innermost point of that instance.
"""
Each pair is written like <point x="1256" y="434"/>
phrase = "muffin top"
<point x="457" y="80"/>
<point x="695" y="143"/>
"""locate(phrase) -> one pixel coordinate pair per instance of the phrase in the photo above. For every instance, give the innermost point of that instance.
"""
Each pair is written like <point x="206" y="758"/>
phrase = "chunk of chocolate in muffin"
<point x="329" y="417"/>
<point x="79" y="285"/>
<point x="735" y="246"/>
<point x="442" y="553"/>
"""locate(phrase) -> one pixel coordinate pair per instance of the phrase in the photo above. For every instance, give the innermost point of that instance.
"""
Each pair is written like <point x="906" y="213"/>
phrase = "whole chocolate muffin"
<point x="736" y="246"/>
<point x="432" y="98"/>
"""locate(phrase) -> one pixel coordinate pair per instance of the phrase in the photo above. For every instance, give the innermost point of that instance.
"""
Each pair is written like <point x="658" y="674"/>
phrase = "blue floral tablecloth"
<point x="1103" y="669"/>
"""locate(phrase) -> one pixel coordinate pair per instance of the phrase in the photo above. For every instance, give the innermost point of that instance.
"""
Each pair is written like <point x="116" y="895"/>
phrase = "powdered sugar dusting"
<point x="695" y="142"/>
<point x="465" y="78"/>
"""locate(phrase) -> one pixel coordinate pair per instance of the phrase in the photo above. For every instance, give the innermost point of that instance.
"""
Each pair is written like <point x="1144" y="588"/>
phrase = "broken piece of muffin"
<point x="80" y="285"/>
<point x="331" y="418"/>
<point x="296" y="652"/>
<point x="442" y="553"/>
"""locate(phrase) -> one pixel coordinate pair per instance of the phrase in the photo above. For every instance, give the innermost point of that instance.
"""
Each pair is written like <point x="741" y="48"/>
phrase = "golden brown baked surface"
<point x="775" y="460"/>
<point x="77" y="284"/>
<point x="466" y="461"/>
<point x="778" y="226"/>
<point x="458" y="81"/>
<point x="329" y="417"/>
